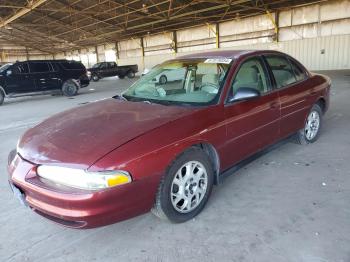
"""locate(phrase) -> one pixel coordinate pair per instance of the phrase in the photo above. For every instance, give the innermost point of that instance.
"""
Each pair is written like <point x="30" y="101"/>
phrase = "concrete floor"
<point x="291" y="204"/>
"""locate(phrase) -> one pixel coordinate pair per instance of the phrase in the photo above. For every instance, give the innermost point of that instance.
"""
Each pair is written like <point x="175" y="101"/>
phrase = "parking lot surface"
<point x="291" y="204"/>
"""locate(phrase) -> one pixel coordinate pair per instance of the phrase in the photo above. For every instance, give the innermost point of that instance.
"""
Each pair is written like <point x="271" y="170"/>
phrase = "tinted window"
<point x="39" y="67"/>
<point x="20" y="68"/>
<point x="251" y="74"/>
<point x="298" y="71"/>
<point x="72" y="65"/>
<point x="103" y="66"/>
<point x="96" y="65"/>
<point x="55" y="67"/>
<point x="282" y="70"/>
<point x="110" y="64"/>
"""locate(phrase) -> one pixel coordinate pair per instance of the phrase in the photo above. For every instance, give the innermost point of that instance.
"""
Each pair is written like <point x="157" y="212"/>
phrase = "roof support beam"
<point x="22" y="12"/>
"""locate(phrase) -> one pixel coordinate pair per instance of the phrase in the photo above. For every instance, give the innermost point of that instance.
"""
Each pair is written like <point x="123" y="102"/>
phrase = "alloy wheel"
<point x="189" y="186"/>
<point x="312" y="125"/>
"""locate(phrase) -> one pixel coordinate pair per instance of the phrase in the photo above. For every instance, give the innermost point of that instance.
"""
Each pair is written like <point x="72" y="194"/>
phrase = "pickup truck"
<point x="106" y="69"/>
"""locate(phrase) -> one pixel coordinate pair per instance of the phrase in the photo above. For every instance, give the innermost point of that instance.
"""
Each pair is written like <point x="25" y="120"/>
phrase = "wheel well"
<point x="214" y="157"/>
<point x="322" y="103"/>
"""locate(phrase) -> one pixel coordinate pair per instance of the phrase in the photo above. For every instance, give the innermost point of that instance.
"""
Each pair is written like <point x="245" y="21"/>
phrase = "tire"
<point x="163" y="80"/>
<point x="171" y="200"/>
<point x="2" y="97"/>
<point x="121" y="77"/>
<point x="131" y="74"/>
<point x="69" y="88"/>
<point x="311" y="130"/>
<point x="95" y="78"/>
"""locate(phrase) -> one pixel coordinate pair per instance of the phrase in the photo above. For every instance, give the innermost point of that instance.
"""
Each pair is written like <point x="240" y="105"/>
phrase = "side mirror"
<point x="245" y="93"/>
<point x="9" y="72"/>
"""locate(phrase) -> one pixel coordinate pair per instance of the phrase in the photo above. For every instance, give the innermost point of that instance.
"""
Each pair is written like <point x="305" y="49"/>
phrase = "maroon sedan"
<point x="162" y="146"/>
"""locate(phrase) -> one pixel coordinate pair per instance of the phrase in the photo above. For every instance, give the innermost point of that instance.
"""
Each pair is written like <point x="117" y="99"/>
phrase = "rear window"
<point x="72" y="65"/>
<point x="300" y="74"/>
<point x="282" y="70"/>
<point x="39" y="67"/>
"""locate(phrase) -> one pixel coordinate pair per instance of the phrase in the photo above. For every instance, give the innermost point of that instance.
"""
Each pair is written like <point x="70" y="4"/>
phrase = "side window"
<point x="251" y="74"/>
<point x="300" y="74"/>
<point x="111" y="64"/>
<point x="39" y="67"/>
<point x="282" y="70"/>
<point x="20" y="68"/>
<point x="55" y="66"/>
<point x="103" y="66"/>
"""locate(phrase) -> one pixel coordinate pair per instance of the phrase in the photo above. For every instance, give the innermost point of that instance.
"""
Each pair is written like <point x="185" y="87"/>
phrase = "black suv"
<point x="42" y="77"/>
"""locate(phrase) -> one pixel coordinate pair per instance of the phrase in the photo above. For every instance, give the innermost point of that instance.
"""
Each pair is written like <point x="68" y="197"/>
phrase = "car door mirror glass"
<point x="9" y="72"/>
<point x="244" y="93"/>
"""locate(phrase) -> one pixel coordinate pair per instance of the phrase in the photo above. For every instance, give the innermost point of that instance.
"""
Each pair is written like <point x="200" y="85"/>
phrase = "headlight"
<point x="82" y="179"/>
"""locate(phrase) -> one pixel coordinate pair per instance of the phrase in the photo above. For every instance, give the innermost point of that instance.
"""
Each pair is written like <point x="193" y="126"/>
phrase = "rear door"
<point x="42" y="74"/>
<point x="55" y="80"/>
<point x="251" y="124"/>
<point x="293" y="88"/>
<point x="18" y="79"/>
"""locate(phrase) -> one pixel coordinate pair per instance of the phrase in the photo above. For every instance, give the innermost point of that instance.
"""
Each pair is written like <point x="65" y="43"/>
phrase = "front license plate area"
<point x="19" y="195"/>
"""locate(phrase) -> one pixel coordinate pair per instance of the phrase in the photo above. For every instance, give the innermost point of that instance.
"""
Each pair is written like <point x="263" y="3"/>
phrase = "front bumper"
<point x="80" y="208"/>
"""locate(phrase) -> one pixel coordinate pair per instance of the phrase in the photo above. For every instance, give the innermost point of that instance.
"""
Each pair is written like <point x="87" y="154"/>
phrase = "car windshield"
<point x="4" y="67"/>
<point x="193" y="82"/>
<point x="96" y="65"/>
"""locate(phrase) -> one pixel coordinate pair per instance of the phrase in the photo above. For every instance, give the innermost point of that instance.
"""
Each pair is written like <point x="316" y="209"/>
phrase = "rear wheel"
<point x="121" y="76"/>
<point x="311" y="130"/>
<point x="69" y="88"/>
<point x="131" y="74"/>
<point x="2" y="97"/>
<point x="185" y="189"/>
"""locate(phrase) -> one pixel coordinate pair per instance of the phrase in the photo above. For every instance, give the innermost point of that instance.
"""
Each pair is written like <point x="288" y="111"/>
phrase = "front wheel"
<point x="95" y="78"/>
<point x="69" y="88"/>
<point x="311" y="130"/>
<point x="185" y="189"/>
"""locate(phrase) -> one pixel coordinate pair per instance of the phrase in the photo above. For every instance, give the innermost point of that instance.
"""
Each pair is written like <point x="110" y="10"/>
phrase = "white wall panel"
<point x="305" y="15"/>
<point x="335" y="10"/>
<point x="247" y="25"/>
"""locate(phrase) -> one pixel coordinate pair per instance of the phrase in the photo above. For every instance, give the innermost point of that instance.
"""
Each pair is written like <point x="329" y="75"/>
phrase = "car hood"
<point x="80" y="136"/>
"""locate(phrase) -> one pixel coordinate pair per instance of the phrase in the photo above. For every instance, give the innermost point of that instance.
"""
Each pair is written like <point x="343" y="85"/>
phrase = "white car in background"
<point x="170" y="76"/>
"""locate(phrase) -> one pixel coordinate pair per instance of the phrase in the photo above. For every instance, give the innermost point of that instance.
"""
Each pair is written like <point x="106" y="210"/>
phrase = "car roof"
<point x="230" y="54"/>
<point x="48" y="60"/>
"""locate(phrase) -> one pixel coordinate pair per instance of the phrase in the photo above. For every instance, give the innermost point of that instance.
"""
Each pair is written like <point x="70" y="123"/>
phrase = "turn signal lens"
<point x="116" y="180"/>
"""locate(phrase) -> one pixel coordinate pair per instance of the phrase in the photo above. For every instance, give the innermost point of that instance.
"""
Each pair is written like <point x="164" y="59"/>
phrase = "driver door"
<point x="18" y="79"/>
<point x="251" y="124"/>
